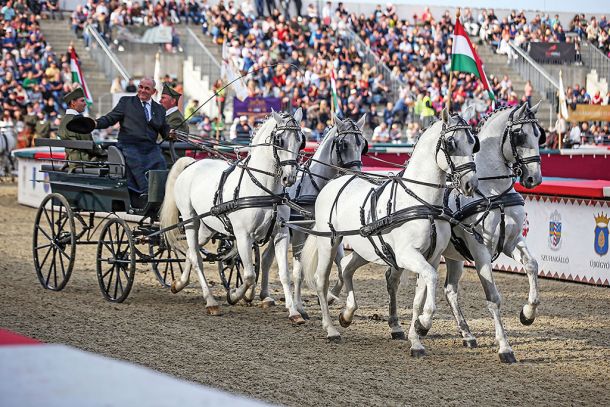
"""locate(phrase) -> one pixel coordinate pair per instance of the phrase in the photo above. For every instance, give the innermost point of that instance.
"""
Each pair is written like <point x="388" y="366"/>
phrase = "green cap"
<point x="169" y="91"/>
<point x="75" y="94"/>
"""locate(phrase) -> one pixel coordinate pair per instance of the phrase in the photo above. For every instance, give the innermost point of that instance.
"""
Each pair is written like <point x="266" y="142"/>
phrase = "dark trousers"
<point x="141" y="158"/>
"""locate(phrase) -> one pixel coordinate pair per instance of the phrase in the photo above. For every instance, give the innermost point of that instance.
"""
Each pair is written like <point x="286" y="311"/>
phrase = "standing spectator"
<point x="221" y="96"/>
<point x="528" y="89"/>
<point x="381" y="133"/>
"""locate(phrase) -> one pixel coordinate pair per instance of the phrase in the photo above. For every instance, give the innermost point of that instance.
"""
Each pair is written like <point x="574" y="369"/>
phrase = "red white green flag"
<point x="77" y="76"/>
<point x="333" y="89"/>
<point x="465" y="59"/>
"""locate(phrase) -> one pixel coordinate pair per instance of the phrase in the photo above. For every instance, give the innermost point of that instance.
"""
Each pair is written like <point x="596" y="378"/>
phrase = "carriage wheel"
<point x="168" y="272"/>
<point x="54" y="242"/>
<point x="116" y="260"/>
<point x="231" y="269"/>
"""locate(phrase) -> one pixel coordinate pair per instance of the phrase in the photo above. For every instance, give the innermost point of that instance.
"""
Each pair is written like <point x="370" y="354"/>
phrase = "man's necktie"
<point x="145" y="104"/>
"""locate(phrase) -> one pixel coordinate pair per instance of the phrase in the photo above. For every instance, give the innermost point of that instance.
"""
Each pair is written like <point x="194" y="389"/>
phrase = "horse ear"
<point x="361" y="122"/>
<point x="337" y="120"/>
<point x="520" y="111"/>
<point x="276" y="116"/>
<point x="445" y="115"/>
<point x="298" y="115"/>
<point x="534" y="109"/>
<point x="469" y="113"/>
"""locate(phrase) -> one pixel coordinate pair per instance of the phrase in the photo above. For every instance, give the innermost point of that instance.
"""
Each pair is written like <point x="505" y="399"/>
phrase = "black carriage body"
<point x="91" y="193"/>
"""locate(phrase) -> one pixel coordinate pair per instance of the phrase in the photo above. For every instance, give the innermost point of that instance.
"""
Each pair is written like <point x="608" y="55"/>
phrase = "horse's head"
<point x="349" y="144"/>
<point x="455" y="152"/>
<point x="521" y="145"/>
<point x="288" y="140"/>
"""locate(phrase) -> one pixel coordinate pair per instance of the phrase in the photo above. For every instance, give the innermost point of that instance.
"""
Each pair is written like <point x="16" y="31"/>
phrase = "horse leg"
<point x="297" y="241"/>
<point x="455" y="269"/>
<point x="336" y="290"/>
<point x="191" y="232"/>
<point x="392" y="277"/>
<point x="424" y="305"/>
<point x="522" y="254"/>
<point x="281" y="241"/>
<point x="266" y="262"/>
<point x="417" y="349"/>
<point x="211" y="306"/>
<point x="244" y="249"/>
<point x="352" y="262"/>
<point x="326" y="253"/>
<point x="483" y="266"/>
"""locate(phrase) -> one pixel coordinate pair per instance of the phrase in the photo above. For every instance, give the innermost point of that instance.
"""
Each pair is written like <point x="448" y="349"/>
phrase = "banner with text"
<point x="256" y="107"/>
<point x="589" y="113"/>
<point x="553" y="52"/>
<point x="568" y="237"/>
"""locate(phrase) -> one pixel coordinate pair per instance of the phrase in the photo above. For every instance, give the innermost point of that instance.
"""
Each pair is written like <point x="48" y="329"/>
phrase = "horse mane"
<point x="487" y="117"/>
<point x="265" y="128"/>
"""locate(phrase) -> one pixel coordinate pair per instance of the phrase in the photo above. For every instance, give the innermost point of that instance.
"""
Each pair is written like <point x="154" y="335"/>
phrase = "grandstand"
<point x="390" y="61"/>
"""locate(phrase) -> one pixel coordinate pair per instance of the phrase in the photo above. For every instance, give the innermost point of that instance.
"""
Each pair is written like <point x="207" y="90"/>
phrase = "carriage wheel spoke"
<point x="108" y="271"/>
<point x="46" y="256"/>
<point x="44" y="246"/>
<point x="63" y="252"/>
<point x="46" y="215"/>
<point x="44" y="232"/>
<point x="109" y="247"/>
<point x="116" y="282"/>
<point x="46" y="283"/>
<point x="63" y="266"/>
<point x="110" y="278"/>
<point x="55" y="266"/>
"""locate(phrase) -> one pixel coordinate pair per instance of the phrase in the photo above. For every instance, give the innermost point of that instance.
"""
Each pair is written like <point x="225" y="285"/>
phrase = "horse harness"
<point x="222" y="209"/>
<point x="339" y="145"/>
<point x="377" y="227"/>
<point x="505" y="199"/>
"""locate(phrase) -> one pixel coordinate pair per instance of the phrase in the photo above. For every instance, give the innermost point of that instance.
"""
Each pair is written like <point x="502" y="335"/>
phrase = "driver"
<point x="142" y="121"/>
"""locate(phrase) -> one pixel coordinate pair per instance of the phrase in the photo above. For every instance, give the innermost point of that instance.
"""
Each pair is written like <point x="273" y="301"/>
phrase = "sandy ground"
<point x="563" y="359"/>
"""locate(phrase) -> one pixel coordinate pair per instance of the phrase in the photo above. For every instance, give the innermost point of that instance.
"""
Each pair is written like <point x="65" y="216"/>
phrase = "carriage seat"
<point x="98" y="171"/>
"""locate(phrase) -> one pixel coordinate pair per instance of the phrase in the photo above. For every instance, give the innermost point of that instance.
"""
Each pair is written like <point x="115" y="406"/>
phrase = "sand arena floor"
<point x="563" y="359"/>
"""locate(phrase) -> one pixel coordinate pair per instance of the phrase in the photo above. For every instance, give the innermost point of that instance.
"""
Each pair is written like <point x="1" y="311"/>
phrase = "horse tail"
<point x="169" y="211"/>
<point x="309" y="260"/>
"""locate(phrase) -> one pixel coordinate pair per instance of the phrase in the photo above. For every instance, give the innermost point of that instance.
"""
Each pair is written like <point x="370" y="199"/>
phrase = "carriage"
<point x="66" y="218"/>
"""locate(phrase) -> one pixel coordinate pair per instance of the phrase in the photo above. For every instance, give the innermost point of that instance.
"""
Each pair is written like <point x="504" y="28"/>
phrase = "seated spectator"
<point x="243" y="131"/>
<point x="381" y="133"/>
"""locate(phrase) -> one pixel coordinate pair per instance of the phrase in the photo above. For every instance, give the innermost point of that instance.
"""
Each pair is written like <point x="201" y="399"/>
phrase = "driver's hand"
<point x="172" y="135"/>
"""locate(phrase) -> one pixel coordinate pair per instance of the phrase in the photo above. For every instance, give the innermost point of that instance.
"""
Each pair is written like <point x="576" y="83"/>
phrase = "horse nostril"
<point x="530" y="180"/>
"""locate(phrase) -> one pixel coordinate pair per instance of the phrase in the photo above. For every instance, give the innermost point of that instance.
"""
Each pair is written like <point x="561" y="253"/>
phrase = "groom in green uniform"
<point x="174" y="118"/>
<point x="76" y="106"/>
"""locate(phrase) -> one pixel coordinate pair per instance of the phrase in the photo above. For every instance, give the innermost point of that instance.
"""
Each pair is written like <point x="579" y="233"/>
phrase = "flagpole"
<point x="450" y="88"/>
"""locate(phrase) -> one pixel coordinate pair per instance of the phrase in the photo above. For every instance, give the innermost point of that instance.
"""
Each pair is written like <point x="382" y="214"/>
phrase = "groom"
<point x="142" y="120"/>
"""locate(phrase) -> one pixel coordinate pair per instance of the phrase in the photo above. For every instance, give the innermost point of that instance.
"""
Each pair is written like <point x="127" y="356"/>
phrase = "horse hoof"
<point x="508" y="357"/>
<point x="268" y="303"/>
<point x="214" y="310"/>
<point x="296" y="319"/>
<point x="525" y="320"/>
<point x="418" y="353"/>
<point x="343" y="322"/>
<point x="175" y="290"/>
<point x="229" y="299"/>
<point x="334" y="338"/>
<point x="398" y="336"/>
<point x="419" y="328"/>
<point x="470" y="343"/>
<point x="304" y="314"/>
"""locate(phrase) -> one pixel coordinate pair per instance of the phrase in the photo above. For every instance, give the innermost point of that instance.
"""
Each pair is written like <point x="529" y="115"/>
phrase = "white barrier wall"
<point x="568" y="237"/>
<point x="32" y="185"/>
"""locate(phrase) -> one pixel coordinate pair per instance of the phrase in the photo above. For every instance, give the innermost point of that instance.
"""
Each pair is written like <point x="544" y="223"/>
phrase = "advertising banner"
<point x="553" y="52"/>
<point x="257" y="107"/>
<point x="587" y="113"/>
<point x="568" y="237"/>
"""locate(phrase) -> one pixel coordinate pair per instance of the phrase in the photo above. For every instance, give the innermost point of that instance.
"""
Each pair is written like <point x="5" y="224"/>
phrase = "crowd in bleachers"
<point x="33" y="76"/>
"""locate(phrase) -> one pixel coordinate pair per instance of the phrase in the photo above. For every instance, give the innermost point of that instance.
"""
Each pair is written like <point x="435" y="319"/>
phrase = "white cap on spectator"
<point x="243" y="118"/>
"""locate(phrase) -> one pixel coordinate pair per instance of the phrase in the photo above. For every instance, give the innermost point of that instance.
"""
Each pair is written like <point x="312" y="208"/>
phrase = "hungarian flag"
<point x="465" y="59"/>
<point x="333" y="89"/>
<point x="77" y="76"/>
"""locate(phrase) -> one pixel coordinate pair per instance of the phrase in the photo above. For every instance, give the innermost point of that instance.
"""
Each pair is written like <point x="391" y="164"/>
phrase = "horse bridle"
<point x="457" y="172"/>
<point x="513" y="134"/>
<point x="340" y="144"/>
<point x="278" y="142"/>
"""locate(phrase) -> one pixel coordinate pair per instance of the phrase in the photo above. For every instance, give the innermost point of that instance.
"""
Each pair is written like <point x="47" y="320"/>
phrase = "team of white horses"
<point x="405" y="222"/>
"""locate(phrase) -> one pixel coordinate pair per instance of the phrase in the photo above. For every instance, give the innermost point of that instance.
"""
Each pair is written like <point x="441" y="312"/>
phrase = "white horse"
<point x="342" y="147"/>
<point x="238" y="200"/>
<point x="510" y="142"/>
<point x="400" y="223"/>
<point x="8" y="141"/>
